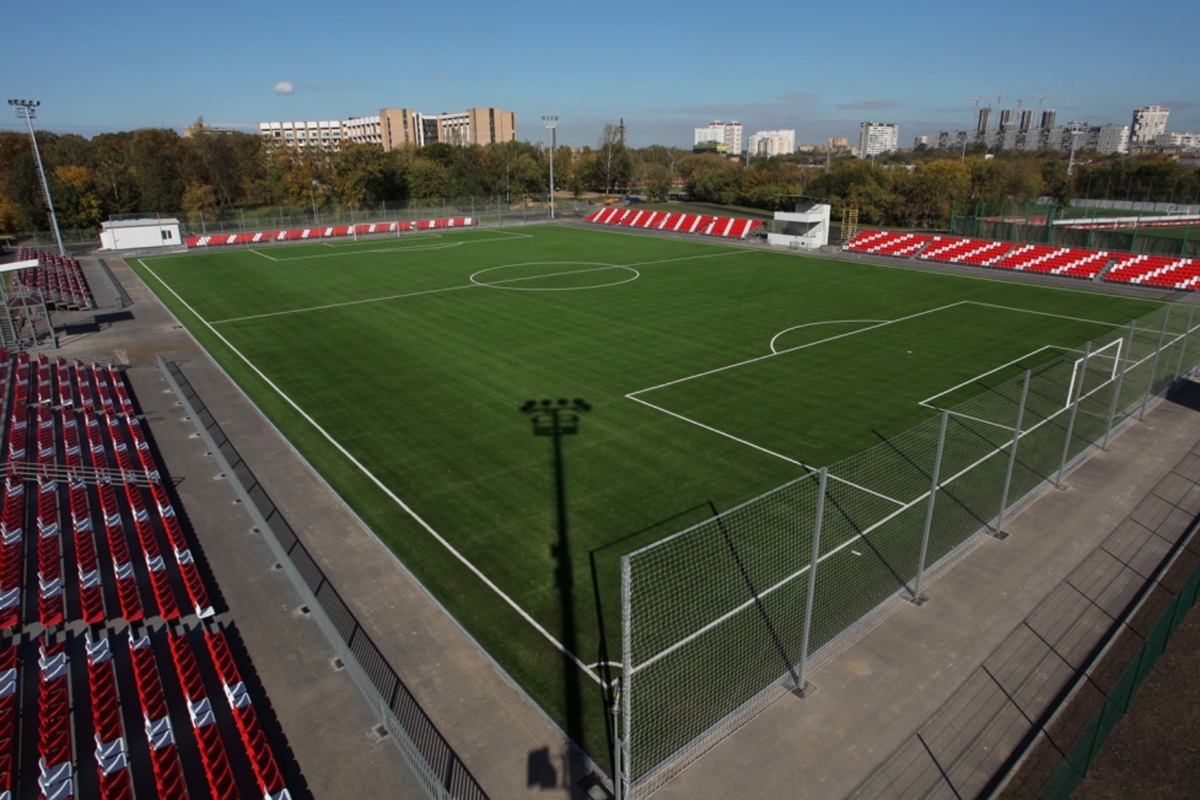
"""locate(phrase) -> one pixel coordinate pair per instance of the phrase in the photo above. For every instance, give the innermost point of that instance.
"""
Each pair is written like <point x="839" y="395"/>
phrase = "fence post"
<point x="1087" y="354"/>
<point x="1154" y="367"/>
<point x="1186" y="334"/>
<point x="620" y="777"/>
<point x="918" y="598"/>
<point x="1012" y="455"/>
<point x="802" y="672"/>
<point x="1112" y="408"/>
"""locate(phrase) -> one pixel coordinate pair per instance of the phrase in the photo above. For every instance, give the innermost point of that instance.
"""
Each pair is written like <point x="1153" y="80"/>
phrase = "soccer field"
<point x="712" y="373"/>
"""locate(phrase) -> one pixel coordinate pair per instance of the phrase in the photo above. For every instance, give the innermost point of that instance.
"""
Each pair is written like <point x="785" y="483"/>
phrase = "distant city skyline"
<point x="159" y="65"/>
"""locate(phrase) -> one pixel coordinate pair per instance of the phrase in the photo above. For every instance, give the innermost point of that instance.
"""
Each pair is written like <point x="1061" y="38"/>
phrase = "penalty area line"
<point x="380" y="484"/>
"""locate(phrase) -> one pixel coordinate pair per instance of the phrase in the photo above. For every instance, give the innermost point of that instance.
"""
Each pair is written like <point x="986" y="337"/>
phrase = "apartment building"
<point x="396" y="127"/>
<point x="876" y="138"/>
<point x="772" y="143"/>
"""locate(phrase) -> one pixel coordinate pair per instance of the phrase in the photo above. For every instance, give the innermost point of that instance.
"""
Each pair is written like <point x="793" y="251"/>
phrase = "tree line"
<point x="158" y="171"/>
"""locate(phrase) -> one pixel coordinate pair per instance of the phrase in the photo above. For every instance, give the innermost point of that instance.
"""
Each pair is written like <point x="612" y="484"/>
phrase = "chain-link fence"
<point x="492" y="211"/>
<point x="723" y="618"/>
<point x="1182" y="241"/>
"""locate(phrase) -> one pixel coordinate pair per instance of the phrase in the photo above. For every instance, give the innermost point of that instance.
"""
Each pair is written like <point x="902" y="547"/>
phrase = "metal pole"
<point x="1186" y="333"/>
<point x="27" y="110"/>
<point x="620" y="777"/>
<point x="937" y="469"/>
<point x="1087" y="354"/>
<point x="1154" y="369"/>
<point x="801" y="677"/>
<point x="1012" y="456"/>
<point x="1112" y="408"/>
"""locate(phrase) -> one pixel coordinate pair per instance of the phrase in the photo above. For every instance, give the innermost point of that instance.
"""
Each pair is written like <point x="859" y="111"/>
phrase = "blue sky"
<point x="666" y="67"/>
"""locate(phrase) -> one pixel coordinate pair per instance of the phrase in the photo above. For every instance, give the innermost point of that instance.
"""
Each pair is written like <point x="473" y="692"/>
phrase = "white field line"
<point x="472" y="285"/>
<point x="706" y="373"/>
<point x="718" y="432"/>
<point x="866" y="531"/>
<point x="880" y="495"/>
<point x="328" y="306"/>
<point x="926" y="402"/>
<point x="775" y="338"/>
<point x="380" y="484"/>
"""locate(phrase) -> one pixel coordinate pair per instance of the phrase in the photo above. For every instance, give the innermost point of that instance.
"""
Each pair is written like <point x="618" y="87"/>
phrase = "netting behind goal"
<point x="723" y="618"/>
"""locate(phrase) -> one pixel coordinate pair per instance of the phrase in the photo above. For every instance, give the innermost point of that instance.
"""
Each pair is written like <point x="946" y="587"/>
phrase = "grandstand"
<point x="57" y="279"/>
<point x="1068" y="262"/>
<point x="676" y="222"/>
<point x="116" y="587"/>
<point x="328" y="232"/>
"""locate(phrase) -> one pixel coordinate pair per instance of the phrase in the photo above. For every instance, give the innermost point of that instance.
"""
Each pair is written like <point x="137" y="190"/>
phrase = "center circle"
<point x="569" y="269"/>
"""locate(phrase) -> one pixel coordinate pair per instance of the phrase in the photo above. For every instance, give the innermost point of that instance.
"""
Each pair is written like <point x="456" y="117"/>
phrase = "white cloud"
<point x="284" y="87"/>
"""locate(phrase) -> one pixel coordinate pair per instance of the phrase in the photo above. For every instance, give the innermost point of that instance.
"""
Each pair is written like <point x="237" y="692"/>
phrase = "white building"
<point x="804" y="228"/>
<point x="876" y="138"/>
<point x="1148" y="123"/>
<point x="395" y="127"/>
<point x="140" y="234"/>
<point x="1108" y="139"/>
<point x="772" y="143"/>
<point x="726" y="133"/>
<point x="1188" y="141"/>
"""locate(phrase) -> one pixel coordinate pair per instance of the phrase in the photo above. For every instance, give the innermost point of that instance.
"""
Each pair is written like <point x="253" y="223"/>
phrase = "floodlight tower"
<point x="552" y="124"/>
<point x="27" y="110"/>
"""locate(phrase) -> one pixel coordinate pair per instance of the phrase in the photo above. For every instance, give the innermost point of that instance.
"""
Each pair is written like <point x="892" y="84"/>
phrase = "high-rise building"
<point x="396" y="127"/>
<point x="985" y="119"/>
<point x="1148" y="123"/>
<point x="1006" y="116"/>
<point x="1048" y="119"/>
<point x="875" y="138"/>
<point x="723" y="133"/>
<point x="1026" y="120"/>
<point x="772" y="143"/>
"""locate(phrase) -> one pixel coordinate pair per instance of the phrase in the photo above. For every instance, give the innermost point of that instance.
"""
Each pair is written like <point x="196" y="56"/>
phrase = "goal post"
<point x="1091" y="372"/>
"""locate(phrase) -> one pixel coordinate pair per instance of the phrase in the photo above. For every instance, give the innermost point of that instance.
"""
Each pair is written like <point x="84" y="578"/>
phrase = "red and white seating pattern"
<point x="112" y="749"/>
<point x="964" y="251"/>
<point x="1163" y="271"/>
<point x="888" y="243"/>
<point x="300" y="234"/>
<point x="1071" y="262"/>
<point x="270" y="781"/>
<point x="74" y="449"/>
<point x="58" y="279"/>
<point x="10" y="706"/>
<point x="705" y="224"/>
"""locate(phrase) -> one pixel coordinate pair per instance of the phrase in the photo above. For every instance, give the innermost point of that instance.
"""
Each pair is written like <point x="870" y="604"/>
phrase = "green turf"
<point x="416" y="355"/>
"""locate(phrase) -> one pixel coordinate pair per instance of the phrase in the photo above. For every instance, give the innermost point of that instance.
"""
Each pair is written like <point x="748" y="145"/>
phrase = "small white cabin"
<point x="140" y="234"/>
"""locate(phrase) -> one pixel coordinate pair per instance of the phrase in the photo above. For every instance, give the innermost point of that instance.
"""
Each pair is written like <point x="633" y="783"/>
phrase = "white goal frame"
<point x="1077" y="376"/>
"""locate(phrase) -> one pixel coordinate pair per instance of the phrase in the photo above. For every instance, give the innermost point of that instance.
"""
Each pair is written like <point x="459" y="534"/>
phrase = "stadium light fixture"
<point x="552" y="124"/>
<point x="27" y="110"/>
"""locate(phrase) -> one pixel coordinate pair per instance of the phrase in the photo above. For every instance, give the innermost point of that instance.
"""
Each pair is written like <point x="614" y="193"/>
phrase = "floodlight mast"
<point x="27" y="110"/>
<point x="552" y="124"/>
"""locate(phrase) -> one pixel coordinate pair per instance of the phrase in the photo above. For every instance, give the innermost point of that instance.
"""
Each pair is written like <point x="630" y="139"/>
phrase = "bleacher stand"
<point x="57" y="279"/>
<point x="74" y="449"/>
<point x="675" y="222"/>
